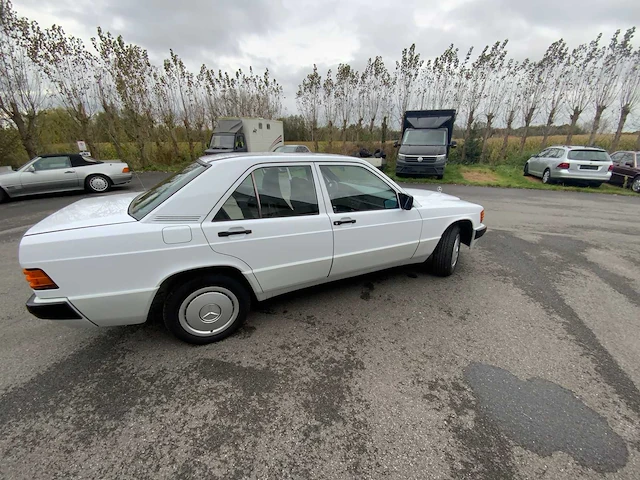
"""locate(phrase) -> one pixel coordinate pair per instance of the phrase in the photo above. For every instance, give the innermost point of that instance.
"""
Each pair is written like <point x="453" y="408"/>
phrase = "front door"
<point x="370" y="230"/>
<point x="274" y="223"/>
<point x="49" y="174"/>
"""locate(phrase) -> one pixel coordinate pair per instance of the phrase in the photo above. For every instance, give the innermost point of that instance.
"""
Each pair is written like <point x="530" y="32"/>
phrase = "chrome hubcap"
<point x="635" y="186"/>
<point x="456" y="251"/>
<point x="99" y="184"/>
<point x="545" y="177"/>
<point x="208" y="311"/>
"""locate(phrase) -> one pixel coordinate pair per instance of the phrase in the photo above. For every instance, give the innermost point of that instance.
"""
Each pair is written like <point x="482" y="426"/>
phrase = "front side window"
<point x="52" y="163"/>
<point x="425" y="137"/>
<point x="356" y="189"/>
<point x="150" y="199"/>
<point x="272" y="192"/>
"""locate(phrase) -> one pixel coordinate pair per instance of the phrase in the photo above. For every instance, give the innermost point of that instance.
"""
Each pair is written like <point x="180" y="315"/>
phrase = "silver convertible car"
<point x="62" y="172"/>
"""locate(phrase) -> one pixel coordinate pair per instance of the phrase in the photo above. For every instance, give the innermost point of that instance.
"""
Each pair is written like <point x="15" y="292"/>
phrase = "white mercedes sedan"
<point x="232" y="229"/>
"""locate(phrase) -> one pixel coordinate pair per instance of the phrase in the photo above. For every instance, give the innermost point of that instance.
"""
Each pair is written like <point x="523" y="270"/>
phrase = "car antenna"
<point x="139" y="179"/>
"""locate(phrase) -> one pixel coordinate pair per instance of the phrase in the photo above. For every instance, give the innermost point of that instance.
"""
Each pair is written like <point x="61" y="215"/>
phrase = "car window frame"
<point x="327" y="196"/>
<point x="70" y="165"/>
<point x="249" y="172"/>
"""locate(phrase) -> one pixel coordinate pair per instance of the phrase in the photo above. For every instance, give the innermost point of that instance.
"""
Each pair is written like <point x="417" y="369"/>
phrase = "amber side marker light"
<point x="125" y="170"/>
<point x="482" y="216"/>
<point x="38" y="280"/>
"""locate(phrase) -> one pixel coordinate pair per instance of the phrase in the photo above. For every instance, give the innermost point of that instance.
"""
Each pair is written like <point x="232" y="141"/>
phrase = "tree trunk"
<point x="575" y="115"/>
<point x="25" y="130"/>
<point x="638" y="142"/>
<point x="487" y="134"/>
<point x="623" y="118"/>
<point x="507" y="131"/>
<point x="344" y="131"/>
<point x="371" y="126"/>
<point x="383" y="132"/>
<point x="330" y="128"/>
<point x="547" y="128"/>
<point x="596" y="123"/>
<point x="527" y="121"/>
<point x="314" y="135"/>
<point x="467" y="134"/>
<point x="359" y="129"/>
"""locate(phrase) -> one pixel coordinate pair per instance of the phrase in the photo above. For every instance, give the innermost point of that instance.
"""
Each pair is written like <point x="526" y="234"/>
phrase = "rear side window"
<point x="272" y="192"/>
<point x="588" y="155"/>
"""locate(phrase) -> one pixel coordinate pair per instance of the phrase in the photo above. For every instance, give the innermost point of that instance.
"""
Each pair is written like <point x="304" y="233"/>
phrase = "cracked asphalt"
<point x="524" y="364"/>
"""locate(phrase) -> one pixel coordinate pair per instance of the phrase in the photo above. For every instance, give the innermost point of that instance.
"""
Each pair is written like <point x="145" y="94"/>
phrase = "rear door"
<point x="272" y="220"/>
<point x="50" y="174"/>
<point x="371" y="231"/>
<point x="626" y="168"/>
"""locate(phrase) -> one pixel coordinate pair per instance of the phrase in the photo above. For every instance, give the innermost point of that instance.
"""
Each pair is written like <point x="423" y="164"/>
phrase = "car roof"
<point x="278" y="156"/>
<point x="575" y="147"/>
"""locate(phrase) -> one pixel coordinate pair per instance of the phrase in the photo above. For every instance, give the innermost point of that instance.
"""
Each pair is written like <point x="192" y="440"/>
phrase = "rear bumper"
<point x="121" y="178"/>
<point x="58" y="309"/>
<point x="418" y="168"/>
<point x="580" y="175"/>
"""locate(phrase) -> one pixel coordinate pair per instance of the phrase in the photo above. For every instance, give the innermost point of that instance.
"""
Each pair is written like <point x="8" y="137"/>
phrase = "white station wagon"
<point x="230" y="229"/>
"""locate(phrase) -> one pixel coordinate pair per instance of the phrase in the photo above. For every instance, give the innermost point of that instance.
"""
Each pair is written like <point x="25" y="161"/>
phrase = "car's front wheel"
<point x="3" y="196"/>
<point x="206" y="309"/>
<point x="546" y="177"/>
<point x="446" y="255"/>
<point x="635" y="185"/>
<point x="526" y="169"/>
<point x="98" y="183"/>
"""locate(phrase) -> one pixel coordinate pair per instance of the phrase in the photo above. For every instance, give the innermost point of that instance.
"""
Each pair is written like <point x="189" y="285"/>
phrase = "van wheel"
<point x="446" y="255"/>
<point x="206" y="309"/>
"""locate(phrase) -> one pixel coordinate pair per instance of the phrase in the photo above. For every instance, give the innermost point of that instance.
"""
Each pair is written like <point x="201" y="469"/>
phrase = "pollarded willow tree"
<point x="553" y="64"/>
<point x="309" y="98"/>
<point x="629" y="97"/>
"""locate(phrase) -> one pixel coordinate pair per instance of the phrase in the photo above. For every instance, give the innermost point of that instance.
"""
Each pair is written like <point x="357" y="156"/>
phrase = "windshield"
<point x="22" y="166"/>
<point x="425" y="137"/>
<point x="150" y="199"/>
<point x="287" y="149"/>
<point x="588" y="155"/>
<point x="222" y="140"/>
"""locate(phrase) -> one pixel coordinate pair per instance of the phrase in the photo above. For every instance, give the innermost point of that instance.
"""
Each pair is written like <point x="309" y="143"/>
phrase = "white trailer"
<point x="246" y="135"/>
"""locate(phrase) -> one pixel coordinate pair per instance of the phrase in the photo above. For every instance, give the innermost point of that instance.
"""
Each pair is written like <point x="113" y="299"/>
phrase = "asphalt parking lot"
<point x="524" y="364"/>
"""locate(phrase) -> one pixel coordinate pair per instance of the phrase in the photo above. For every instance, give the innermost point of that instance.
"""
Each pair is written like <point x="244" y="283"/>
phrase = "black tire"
<point x="98" y="184"/>
<point x="595" y="184"/>
<point x="442" y="259"/>
<point x="226" y="296"/>
<point x="635" y="184"/>
<point x="526" y="169"/>
<point x="546" y="177"/>
<point x="439" y="177"/>
<point x="3" y="196"/>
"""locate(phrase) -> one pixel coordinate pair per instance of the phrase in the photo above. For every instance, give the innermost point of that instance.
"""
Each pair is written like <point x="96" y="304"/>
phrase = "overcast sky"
<point x="289" y="36"/>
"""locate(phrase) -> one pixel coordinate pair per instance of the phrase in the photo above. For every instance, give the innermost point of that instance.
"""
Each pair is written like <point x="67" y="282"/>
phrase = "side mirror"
<point x="31" y="169"/>
<point x="396" y="144"/>
<point x="406" y="201"/>
<point x="453" y="144"/>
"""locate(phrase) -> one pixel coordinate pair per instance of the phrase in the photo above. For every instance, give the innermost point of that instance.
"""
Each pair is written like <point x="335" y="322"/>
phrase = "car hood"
<point x="426" y="196"/>
<point x="90" y="212"/>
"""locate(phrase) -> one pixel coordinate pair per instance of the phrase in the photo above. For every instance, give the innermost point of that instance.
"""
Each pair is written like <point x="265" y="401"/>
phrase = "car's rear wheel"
<point x="546" y="177"/>
<point x="635" y="185"/>
<point x="98" y="183"/>
<point x="206" y="309"/>
<point x="446" y="255"/>
<point x="595" y="184"/>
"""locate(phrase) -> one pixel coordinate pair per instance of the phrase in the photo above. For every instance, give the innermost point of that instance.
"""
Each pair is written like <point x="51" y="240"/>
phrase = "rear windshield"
<point x="150" y="199"/>
<point x="589" y="155"/>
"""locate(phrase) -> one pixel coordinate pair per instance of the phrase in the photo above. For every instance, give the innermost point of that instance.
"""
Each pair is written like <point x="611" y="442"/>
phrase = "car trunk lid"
<point x="90" y="212"/>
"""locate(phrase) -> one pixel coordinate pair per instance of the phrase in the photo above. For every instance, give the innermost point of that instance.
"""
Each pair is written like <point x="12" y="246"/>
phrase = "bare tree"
<point x="405" y="76"/>
<point x="376" y="78"/>
<point x="607" y="76"/>
<point x="21" y="83"/>
<point x="494" y="90"/>
<point x="309" y="99"/>
<point x="629" y="96"/>
<point x="70" y="69"/>
<point x="512" y="101"/>
<point x="329" y="104"/>
<point x="555" y="83"/>
<point x="580" y="74"/>
<point x="346" y="90"/>
<point x="532" y="87"/>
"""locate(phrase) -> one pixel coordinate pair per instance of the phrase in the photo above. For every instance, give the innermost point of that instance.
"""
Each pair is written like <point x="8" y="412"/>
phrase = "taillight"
<point x="611" y="167"/>
<point x="563" y="165"/>
<point x="38" y="280"/>
<point x="482" y="216"/>
<point x="125" y="170"/>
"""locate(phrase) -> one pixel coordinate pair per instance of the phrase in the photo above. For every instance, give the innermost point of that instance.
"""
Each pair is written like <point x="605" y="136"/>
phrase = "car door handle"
<point x="344" y="220"/>
<point x="69" y="171"/>
<point x="228" y="233"/>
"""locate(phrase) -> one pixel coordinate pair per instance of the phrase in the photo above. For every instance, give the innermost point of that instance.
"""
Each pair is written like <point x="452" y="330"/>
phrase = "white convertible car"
<point x="230" y="229"/>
